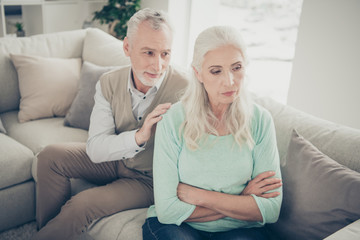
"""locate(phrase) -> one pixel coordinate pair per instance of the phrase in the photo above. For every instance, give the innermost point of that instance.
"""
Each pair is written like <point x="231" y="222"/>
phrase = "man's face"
<point x="149" y="51"/>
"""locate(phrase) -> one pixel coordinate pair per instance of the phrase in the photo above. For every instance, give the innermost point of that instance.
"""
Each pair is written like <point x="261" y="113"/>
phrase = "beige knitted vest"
<point x="115" y="90"/>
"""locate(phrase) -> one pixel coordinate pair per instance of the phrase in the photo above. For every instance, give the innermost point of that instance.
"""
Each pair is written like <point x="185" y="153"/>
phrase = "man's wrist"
<point x="139" y="141"/>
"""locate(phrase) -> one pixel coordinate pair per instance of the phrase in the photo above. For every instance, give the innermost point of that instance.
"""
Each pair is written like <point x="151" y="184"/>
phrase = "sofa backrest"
<point x="62" y="45"/>
<point x="339" y="142"/>
<point x="90" y="44"/>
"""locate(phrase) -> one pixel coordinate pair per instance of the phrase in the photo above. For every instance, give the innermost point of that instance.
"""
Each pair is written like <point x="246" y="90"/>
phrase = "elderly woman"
<point x="216" y="164"/>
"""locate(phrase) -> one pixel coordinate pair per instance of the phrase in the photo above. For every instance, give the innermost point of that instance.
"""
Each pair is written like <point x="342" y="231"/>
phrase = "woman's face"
<point x="222" y="73"/>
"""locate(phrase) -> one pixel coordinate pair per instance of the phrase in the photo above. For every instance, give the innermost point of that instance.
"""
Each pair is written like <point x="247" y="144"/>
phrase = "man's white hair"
<point x="156" y="18"/>
<point x="199" y="119"/>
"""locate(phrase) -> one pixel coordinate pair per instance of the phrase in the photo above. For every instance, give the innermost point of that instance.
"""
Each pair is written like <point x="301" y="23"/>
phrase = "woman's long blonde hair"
<point x="198" y="115"/>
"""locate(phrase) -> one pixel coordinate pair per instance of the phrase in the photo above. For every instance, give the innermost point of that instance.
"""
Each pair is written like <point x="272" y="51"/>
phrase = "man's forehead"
<point x="154" y="49"/>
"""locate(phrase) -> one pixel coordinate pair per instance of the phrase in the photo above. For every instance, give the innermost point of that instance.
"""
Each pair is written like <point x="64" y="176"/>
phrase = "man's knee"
<point x="46" y="156"/>
<point x="81" y="210"/>
<point x="52" y="158"/>
<point x="50" y="152"/>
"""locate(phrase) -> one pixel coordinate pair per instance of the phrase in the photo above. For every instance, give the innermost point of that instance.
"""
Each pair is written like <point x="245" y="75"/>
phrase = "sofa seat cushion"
<point x="15" y="162"/>
<point x="38" y="134"/>
<point x="351" y="231"/>
<point x="126" y="225"/>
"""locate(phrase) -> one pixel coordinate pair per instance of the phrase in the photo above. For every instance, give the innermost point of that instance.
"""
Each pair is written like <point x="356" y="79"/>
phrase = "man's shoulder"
<point x="115" y="76"/>
<point x="114" y="80"/>
<point x="114" y="73"/>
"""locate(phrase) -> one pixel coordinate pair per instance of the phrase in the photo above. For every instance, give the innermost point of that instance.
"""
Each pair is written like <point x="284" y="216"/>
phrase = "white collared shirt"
<point x="103" y="143"/>
<point x="140" y="101"/>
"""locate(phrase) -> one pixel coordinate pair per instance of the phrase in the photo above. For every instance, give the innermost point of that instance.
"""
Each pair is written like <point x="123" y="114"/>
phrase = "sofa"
<point x="320" y="160"/>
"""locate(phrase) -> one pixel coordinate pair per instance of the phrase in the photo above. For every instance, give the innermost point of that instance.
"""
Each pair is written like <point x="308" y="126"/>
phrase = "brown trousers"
<point x="60" y="216"/>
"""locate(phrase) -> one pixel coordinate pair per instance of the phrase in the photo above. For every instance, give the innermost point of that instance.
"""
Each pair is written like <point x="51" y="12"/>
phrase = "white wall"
<point x="325" y="80"/>
<point x="189" y="18"/>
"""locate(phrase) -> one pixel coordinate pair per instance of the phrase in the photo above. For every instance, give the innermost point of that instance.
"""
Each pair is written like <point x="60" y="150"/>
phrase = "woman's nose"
<point x="229" y="79"/>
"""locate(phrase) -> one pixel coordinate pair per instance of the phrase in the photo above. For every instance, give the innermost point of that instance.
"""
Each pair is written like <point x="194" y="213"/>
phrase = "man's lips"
<point x="153" y="75"/>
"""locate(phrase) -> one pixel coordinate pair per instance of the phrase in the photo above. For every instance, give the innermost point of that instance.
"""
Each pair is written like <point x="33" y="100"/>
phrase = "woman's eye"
<point x="165" y="54"/>
<point x="237" y="67"/>
<point x="215" y="71"/>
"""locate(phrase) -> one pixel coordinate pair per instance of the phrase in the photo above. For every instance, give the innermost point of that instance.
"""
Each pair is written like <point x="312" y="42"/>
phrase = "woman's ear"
<point x="197" y="74"/>
<point x="126" y="46"/>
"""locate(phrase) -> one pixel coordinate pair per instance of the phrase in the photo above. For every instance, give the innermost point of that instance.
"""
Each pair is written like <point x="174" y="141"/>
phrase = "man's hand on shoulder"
<point x="144" y="133"/>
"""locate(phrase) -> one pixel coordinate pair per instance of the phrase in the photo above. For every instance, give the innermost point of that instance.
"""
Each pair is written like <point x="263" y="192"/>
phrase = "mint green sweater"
<point x="219" y="165"/>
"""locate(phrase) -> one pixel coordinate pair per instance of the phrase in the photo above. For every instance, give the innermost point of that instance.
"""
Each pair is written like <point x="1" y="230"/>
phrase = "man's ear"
<point x="197" y="74"/>
<point x="126" y="46"/>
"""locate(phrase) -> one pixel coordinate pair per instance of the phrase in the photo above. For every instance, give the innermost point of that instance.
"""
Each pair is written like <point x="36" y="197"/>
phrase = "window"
<point x="269" y="27"/>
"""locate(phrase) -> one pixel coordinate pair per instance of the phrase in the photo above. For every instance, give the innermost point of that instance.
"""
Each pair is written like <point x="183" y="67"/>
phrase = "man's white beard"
<point x="147" y="82"/>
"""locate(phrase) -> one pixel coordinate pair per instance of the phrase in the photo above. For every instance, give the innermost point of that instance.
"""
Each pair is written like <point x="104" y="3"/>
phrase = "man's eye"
<point x="150" y="53"/>
<point x="165" y="54"/>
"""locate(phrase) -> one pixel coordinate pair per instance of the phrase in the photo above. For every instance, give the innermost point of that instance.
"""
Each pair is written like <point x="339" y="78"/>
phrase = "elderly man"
<point x="129" y="101"/>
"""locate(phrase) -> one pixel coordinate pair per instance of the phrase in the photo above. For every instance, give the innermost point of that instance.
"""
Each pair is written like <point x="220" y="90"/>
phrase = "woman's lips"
<point x="228" y="94"/>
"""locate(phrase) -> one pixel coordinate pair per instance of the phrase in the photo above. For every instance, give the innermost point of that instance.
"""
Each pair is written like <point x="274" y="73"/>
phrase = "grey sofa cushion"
<point x="38" y="134"/>
<point x="17" y="206"/>
<point x="320" y="195"/>
<point x="79" y="113"/>
<point x="15" y="162"/>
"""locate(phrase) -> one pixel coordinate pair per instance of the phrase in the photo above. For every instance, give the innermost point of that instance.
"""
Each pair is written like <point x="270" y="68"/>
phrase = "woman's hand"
<point x="189" y="194"/>
<point x="263" y="183"/>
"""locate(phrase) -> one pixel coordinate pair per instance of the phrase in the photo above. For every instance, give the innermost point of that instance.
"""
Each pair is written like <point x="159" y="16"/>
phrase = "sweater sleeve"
<point x="168" y="207"/>
<point x="266" y="158"/>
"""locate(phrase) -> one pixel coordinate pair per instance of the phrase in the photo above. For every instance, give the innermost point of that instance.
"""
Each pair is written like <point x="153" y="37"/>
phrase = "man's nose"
<point x="157" y="63"/>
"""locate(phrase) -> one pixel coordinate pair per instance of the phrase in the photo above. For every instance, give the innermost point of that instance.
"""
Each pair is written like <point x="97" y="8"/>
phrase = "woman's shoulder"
<point x="175" y="115"/>
<point x="260" y="113"/>
<point x="261" y="120"/>
<point x="176" y="110"/>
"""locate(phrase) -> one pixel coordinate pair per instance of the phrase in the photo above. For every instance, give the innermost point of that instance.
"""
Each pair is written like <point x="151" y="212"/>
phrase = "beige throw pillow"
<point x="47" y="85"/>
<point x="102" y="49"/>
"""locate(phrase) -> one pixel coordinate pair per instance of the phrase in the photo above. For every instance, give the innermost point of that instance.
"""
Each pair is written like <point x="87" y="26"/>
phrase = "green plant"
<point x="19" y="26"/>
<point x="117" y="13"/>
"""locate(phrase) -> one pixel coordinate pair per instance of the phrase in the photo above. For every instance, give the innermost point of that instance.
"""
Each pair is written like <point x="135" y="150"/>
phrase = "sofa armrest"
<point x="350" y="232"/>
